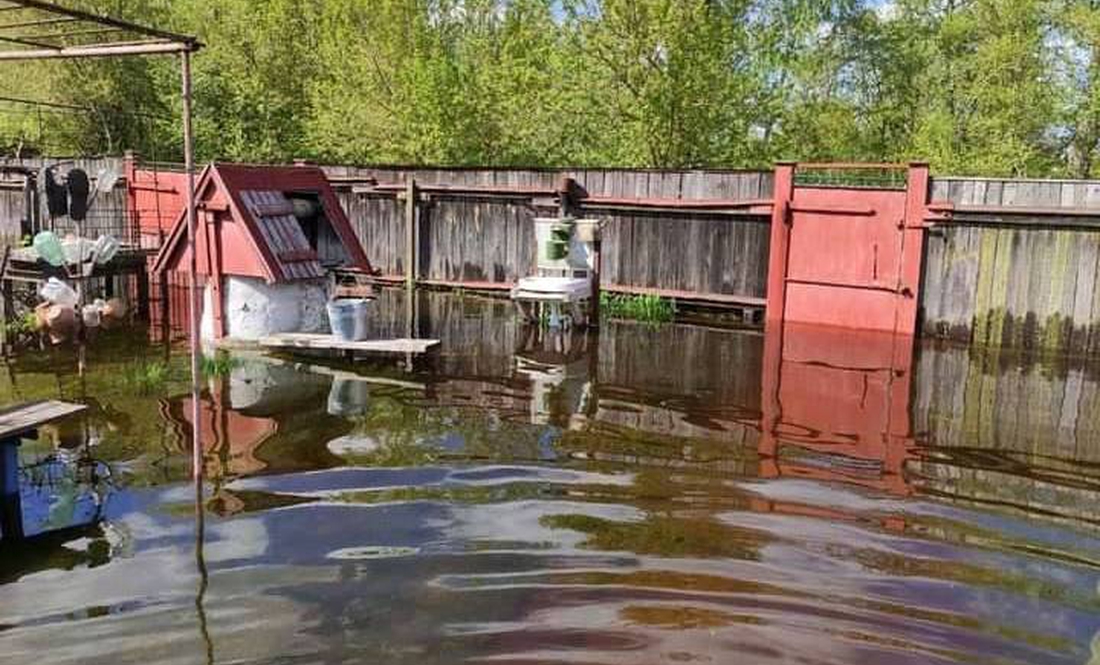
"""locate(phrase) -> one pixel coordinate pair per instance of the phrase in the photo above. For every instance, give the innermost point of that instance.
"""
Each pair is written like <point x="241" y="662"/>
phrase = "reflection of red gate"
<point x="847" y="255"/>
<point x="836" y="406"/>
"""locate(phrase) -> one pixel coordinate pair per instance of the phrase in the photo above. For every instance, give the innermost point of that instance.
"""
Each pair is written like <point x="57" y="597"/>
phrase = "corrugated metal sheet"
<point x="283" y="235"/>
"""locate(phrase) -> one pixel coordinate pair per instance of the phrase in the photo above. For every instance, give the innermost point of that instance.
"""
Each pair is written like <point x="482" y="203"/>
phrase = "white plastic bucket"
<point x="348" y="397"/>
<point x="348" y="319"/>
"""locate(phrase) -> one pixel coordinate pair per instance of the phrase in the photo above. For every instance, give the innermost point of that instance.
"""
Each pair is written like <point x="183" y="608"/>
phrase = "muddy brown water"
<point x="679" y="494"/>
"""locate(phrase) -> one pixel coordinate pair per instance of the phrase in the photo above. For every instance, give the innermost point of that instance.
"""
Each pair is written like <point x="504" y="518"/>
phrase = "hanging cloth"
<point x="78" y="194"/>
<point x="57" y="197"/>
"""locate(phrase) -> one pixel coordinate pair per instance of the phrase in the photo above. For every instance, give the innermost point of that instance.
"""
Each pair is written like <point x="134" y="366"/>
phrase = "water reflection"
<point x="836" y="406"/>
<point x="680" y="493"/>
<point x="62" y="486"/>
<point x="562" y="368"/>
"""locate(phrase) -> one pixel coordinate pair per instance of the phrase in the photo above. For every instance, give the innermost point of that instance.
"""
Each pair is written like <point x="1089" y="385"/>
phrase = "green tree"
<point x="670" y="78"/>
<point x="253" y="77"/>
<point x="1076" y="41"/>
<point x="999" y="87"/>
<point x="989" y="99"/>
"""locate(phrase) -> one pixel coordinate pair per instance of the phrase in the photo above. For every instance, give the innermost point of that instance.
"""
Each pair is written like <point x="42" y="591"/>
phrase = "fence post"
<point x="130" y="161"/>
<point x="780" y="240"/>
<point x="410" y="234"/>
<point x="597" y="268"/>
<point x="566" y="202"/>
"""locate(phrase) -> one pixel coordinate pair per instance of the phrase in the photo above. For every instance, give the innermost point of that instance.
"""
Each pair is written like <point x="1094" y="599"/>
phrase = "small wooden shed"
<point x="264" y="227"/>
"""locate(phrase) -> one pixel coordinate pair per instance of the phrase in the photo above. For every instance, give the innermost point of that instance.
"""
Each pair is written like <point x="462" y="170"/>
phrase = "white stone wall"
<point x="255" y="309"/>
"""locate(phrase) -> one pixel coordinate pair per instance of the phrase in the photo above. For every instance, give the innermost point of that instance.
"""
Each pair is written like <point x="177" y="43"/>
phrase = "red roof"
<point x="257" y="234"/>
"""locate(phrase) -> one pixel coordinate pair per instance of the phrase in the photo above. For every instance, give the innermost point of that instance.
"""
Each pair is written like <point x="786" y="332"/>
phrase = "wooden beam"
<point x="694" y="204"/>
<point x="331" y="343"/>
<point x="19" y="420"/>
<point x="1025" y="211"/>
<point x="758" y="212"/>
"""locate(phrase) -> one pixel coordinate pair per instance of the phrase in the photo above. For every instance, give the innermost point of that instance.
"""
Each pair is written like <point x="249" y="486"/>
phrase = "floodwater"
<point x="680" y="494"/>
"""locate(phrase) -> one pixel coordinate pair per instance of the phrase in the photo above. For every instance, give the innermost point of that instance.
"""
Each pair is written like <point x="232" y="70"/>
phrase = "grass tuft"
<point x="146" y="377"/>
<point x="646" y="308"/>
<point x="220" y="364"/>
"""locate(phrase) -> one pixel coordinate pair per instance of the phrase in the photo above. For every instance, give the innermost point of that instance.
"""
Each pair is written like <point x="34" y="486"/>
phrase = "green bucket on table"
<point x="556" y="250"/>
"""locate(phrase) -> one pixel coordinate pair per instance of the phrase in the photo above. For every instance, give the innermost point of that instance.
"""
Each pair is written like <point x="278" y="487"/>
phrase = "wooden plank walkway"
<point x="19" y="420"/>
<point x="317" y="342"/>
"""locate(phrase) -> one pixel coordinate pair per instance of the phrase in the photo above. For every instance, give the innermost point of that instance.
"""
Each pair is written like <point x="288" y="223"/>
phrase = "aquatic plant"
<point x="146" y="376"/>
<point x="220" y="364"/>
<point x="646" y="307"/>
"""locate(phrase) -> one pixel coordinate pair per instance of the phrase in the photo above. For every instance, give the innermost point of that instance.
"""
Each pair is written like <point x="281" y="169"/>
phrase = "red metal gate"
<point x="846" y="253"/>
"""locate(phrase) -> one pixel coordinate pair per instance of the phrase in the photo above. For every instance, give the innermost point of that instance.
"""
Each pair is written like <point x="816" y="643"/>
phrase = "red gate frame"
<point x="912" y="227"/>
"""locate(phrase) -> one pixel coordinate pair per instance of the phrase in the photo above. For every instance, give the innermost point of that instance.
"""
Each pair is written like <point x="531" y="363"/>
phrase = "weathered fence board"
<point x="477" y="239"/>
<point x="1000" y="283"/>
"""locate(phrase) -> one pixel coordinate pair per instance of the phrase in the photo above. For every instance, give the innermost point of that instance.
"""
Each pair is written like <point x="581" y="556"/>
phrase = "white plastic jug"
<point x="105" y="249"/>
<point x="57" y="292"/>
<point x="92" y="316"/>
<point x="48" y="248"/>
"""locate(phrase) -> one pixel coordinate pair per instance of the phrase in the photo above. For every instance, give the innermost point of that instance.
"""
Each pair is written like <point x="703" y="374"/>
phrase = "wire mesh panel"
<point x="852" y="176"/>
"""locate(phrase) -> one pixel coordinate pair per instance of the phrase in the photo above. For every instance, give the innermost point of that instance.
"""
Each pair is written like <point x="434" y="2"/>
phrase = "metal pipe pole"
<point x="105" y="51"/>
<point x="195" y="301"/>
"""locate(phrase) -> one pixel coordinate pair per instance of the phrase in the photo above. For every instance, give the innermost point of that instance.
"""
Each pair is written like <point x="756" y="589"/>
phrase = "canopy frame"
<point x="40" y="30"/>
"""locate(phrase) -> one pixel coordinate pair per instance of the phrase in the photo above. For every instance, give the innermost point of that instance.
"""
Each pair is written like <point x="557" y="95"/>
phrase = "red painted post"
<point x="912" y="251"/>
<point x="783" y="193"/>
<point x="215" y="271"/>
<point x="780" y="241"/>
<point x="771" y="410"/>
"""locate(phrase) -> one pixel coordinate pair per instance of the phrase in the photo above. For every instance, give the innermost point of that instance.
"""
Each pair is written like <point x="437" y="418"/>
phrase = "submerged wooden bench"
<point x="402" y="346"/>
<point x="17" y="423"/>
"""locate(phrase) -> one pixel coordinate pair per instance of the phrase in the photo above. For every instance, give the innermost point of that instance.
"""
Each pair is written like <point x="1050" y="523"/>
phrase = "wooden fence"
<point x="475" y="226"/>
<point x="1022" y="270"/>
<point x="107" y="215"/>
